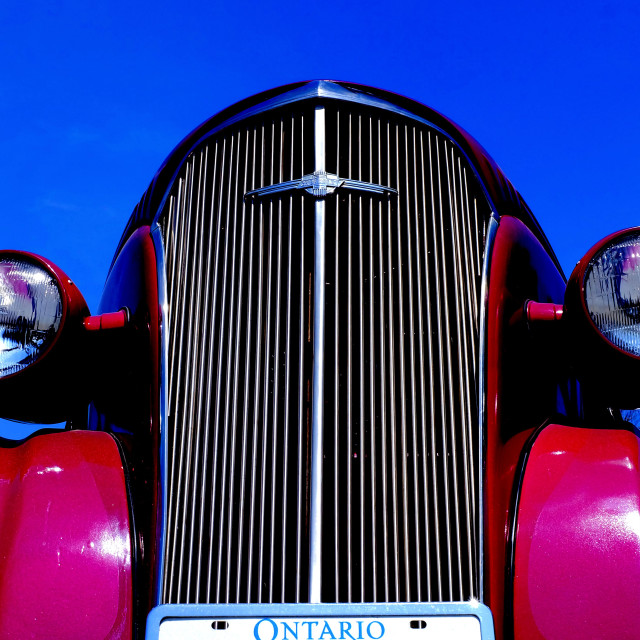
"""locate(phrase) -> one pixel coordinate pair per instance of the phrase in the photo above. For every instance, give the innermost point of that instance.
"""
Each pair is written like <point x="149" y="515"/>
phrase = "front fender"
<point x="577" y="545"/>
<point x="65" y="550"/>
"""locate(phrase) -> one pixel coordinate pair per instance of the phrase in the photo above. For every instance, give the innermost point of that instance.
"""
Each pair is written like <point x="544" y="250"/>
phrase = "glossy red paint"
<point x="521" y="386"/>
<point x="64" y="539"/>
<point x="544" y="311"/>
<point x="130" y="370"/>
<point x="577" y="569"/>
<point x="107" y="321"/>
<point x="129" y="402"/>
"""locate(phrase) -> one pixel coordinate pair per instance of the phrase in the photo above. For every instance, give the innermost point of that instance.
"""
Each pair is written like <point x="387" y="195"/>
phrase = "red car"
<point x="337" y="387"/>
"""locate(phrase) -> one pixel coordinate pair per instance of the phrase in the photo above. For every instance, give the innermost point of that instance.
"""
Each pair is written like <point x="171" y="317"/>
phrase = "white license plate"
<point x="387" y="628"/>
<point x="453" y="621"/>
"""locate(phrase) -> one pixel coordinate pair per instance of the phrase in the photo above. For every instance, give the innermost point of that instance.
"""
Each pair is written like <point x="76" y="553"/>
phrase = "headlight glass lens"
<point x="612" y="293"/>
<point x="30" y="313"/>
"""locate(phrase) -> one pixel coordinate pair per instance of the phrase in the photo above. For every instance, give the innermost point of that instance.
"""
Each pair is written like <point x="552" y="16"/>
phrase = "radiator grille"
<point x="401" y="440"/>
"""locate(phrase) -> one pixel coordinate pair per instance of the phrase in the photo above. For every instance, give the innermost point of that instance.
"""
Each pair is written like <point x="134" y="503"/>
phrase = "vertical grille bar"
<point x="254" y="496"/>
<point x="317" y="394"/>
<point x="287" y="364"/>
<point x="394" y="459"/>
<point x="244" y="462"/>
<point x="403" y="593"/>
<point x="349" y="447"/>
<point x="336" y="358"/>
<point x="383" y="376"/>
<point x="361" y="382"/>
<point x="372" y="393"/>
<point x="303" y="421"/>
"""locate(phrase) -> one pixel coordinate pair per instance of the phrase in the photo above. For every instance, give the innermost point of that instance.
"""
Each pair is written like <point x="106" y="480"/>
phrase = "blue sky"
<point x="93" y="96"/>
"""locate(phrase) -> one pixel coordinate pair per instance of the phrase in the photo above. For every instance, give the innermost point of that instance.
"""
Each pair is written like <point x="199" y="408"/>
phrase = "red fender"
<point x="577" y="551"/>
<point x="65" y="546"/>
<point x="522" y="379"/>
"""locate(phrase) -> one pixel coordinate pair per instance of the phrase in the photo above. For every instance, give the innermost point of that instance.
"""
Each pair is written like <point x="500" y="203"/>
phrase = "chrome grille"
<point x="401" y="440"/>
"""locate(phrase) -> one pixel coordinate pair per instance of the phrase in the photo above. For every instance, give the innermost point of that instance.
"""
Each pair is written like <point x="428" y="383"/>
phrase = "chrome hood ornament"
<point x="320" y="184"/>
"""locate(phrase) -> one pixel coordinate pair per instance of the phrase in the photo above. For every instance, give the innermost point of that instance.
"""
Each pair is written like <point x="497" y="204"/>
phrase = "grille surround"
<point x="272" y="174"/>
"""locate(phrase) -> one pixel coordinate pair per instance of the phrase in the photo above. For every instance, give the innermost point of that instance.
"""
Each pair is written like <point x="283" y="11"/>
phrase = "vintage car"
<point x="337" y="387"/>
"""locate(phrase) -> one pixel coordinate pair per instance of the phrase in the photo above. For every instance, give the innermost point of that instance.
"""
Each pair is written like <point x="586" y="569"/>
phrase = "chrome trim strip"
<point x="156" y="236"/>
<point x="320" y="150"/>
<point x="317" y="407"/>
<point x="492" y="230"/>
<point x="324" y="89"/>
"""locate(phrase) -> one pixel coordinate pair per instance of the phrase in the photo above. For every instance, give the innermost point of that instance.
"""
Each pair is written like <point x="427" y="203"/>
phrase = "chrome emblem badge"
<point x="320" y="184"/>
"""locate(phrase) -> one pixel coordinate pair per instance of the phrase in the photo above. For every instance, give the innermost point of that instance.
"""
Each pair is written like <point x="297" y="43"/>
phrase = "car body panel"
<point x="65" y="540"/>
<point x="521" y="384"/>
<point x="127" y="401"/>
<point x="577" y="551"/>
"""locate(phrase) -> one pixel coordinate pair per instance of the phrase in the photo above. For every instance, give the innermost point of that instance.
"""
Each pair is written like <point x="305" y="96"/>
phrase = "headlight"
<point x="612" y="292"/>
<point x="31" y="309"/>
<point x="602" y="314"/>
<point x="42" y="352"/>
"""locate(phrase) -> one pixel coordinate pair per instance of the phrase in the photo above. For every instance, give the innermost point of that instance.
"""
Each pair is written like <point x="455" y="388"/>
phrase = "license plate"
<point x="442" y="621"/>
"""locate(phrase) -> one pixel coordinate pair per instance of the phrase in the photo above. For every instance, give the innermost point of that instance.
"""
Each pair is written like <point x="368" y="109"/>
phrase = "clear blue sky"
<point x="93" y="96"/>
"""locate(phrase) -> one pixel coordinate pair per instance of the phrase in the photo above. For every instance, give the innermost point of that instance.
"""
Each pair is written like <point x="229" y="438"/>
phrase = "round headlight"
<point x="42" y="351"/>
<point x="31" y="309"/>
<point x="602" y="316"/>
<point x="612" y="292"/>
